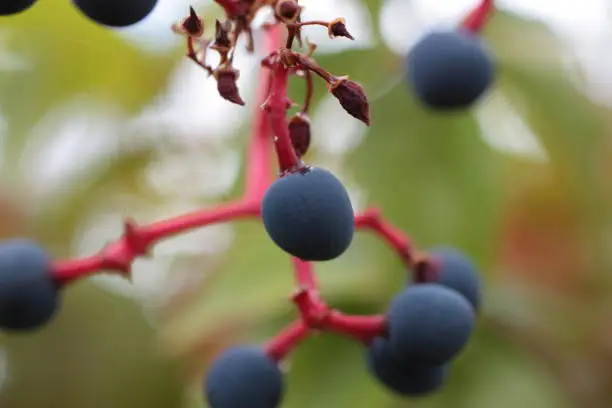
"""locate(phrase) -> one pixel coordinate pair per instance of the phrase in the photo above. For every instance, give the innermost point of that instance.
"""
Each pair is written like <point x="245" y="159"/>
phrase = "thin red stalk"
<point x="258" y="175"/>
<point x="304" y="274"/>
<point x="277" y="105"/>
<point x="286" y="341"/>
<point x="396" y="239"/>
<point x="361" y="328"/>
<point x="477" y="18"/>
<point x="418" y="262"/>
<point x="317" y="315"/>
<point x="137" y="240"/>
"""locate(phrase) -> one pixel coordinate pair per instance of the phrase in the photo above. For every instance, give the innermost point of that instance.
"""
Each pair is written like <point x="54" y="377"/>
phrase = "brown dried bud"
<point x="222" y="31"/>
<point x="337" y="28"/>
<point x="193" y="25"/>
<point x="352" y="98"/>
<point x="299" y="132"/>
<point x="226" y="85"/>
<point x="288" y="10"/>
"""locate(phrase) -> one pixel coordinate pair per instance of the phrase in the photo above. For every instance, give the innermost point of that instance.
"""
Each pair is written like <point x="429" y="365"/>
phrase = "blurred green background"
<point x="97" y="125"/>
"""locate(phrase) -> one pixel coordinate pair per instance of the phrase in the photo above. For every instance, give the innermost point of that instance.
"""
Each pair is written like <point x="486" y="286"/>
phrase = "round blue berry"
<point x="116" y="13"/>
<point x="429" y="323"/>
<point x="10" y="7"/>
<point x="404" y="378"/>
<point x="28" y="295"/>
<point x="309" y="215"/>
<point x="456" y="271"/>
<point x="244" y="377"/>
<point x="449" y="69"/>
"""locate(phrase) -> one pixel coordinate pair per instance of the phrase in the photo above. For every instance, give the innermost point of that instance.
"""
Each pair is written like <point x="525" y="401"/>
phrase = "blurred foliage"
<point x="538" y="232"/>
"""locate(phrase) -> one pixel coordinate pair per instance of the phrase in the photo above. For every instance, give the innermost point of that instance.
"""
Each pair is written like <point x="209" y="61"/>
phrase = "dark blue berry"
<point x="309" y="215"/>
<point x="10" y="7"/>
<point x="457" y="272"/>
<point x="429" y="323"/>
<point x="404" y="378"/>
<point x="116" y="13"/>
<point x="28" y="296"/>
<point x="449" y="70"/>
<point x="244" y="377"/>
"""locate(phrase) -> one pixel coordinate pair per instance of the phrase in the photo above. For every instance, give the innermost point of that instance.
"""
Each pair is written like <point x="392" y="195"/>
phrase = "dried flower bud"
<point x="222" y="31"/>
<point x="288" y="10"/>
<point x="299" y="132"/>
<point x="226" y="85"/>
<point x="337" y="28"/>
<point x="193" y="26"/>
<point x="352" y="98"/>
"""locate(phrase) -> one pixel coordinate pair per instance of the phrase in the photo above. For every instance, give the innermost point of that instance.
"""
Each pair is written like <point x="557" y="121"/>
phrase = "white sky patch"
<point x="504" y="129"/>
<point x="65" y="143"/>
<point x="334" y="130"/>
<point x="358" y="23"/>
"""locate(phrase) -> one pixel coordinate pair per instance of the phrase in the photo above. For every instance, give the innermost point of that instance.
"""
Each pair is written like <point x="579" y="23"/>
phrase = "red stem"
<point x="277" y="105"/>
<point x="304" y="274"/>
<point x="137" y="240"/>
<point x="258" y="176"/>
<point x="281" y="345"/>
<point x="416" y="261"/>
<point x="317" y="315"/>
<point x="477" y="18"/>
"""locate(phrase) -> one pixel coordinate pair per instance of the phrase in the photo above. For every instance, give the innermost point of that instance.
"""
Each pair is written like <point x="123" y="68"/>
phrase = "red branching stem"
<point x="317" y="315"/>
<point x="277" y="105"/>
<point x="258" y="172"/>
<point x="477" y="18"/>
<point x="362" y="328"/>
<point x="415" y="260"/>
<point x="286" y="341"/>
<point x="137" y="240"/>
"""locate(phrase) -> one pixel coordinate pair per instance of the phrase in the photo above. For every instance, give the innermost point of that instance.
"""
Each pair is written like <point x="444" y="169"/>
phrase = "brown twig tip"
<point x="352" y="98"/>
<point x="226" y="85"/>
<point x="222" y="31"/>
<point x="299" y="132"/>
<point x="288" y="11"/>
<point x="193" y="24"/>
<point x="337" y="28"/>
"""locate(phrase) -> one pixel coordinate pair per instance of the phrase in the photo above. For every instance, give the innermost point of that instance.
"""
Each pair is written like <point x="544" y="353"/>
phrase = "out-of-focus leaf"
<point x="67" y="55"/>
<point x="57" y="223"/>
<point x="98" y="352"/>
<point x="446" y="176"/>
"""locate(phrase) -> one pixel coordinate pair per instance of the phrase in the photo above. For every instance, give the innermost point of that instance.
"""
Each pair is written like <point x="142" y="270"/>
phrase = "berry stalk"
<point x="417" y="261"/>
<point x="477" y="18"/>
<point x="137" y="240"/>
<point x="277" y="105"/>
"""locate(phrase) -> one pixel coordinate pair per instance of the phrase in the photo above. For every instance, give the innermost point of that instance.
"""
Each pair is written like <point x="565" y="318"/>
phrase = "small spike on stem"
<point x="477" y="18"/>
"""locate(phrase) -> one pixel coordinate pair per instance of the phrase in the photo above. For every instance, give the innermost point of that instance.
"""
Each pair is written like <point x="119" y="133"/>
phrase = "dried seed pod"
<point x="352" y="98"/>
<point x="337" y="28"/>
<point x="226" y="84"/>
<point x="287" y="10"/>
<point x="222" y="31"/>
<point x="299" y="132"/>
<point x="192" y="25"/>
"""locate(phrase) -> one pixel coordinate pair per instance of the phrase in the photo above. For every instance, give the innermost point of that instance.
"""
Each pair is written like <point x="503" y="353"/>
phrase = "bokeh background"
<point x="96" y="125"/>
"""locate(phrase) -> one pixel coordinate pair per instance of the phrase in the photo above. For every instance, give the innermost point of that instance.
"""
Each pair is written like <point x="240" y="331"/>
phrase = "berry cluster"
<point x="306" y="210"/>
